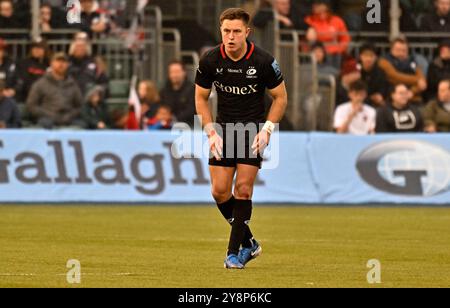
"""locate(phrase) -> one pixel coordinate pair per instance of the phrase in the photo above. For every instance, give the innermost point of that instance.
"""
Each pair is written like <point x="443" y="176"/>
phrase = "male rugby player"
<point x="241" y="73"/>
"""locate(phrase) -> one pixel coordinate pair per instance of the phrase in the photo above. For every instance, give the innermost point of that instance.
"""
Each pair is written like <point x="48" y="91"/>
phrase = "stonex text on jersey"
<point x="240" y="85"/>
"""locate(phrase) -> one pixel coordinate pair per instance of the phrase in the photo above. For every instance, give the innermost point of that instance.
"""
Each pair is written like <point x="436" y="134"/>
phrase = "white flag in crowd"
<point x="134" y="99"/>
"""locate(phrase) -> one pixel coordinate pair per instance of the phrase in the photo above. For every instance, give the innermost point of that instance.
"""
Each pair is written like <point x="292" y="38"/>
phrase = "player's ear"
<point x="248" y="31"/>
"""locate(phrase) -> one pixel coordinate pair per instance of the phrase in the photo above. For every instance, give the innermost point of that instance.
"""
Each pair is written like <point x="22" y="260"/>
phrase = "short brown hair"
<point x="401" y="40"/>
<point x="235" y="13"/>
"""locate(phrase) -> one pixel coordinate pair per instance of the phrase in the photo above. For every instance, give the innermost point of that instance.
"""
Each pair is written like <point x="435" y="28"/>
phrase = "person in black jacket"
<point x="94" y="112"/>
<point x="399" y="116"/>
<point x="179" y="93"/>
<point x="8" y="72"/>
<point x="438" y="70"/>
<point x="439" y="19"/>
<point x="84" y="68"/>
<point x="373" y="76"/>
<point x="9" y="113"/>
<point x="31" y="69"/>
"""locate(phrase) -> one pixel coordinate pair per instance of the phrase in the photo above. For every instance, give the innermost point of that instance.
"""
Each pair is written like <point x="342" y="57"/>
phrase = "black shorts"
<point x="237" y="150"/>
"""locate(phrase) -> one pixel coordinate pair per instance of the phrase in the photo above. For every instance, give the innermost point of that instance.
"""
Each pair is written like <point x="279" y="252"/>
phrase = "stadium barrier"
<point x="144" y="167"/>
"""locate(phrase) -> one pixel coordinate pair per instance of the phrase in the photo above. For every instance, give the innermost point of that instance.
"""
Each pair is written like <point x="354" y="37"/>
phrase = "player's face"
<point x="234" y="35"/>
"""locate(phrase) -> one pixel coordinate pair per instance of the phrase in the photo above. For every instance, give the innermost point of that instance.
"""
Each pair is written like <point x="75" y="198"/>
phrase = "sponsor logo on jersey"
<point x="250" y="89"/>
<point x="219" y="71"/>
<point x="235" y="71"/>
<point x="277" y="69"/>
<point x="251" y="73"/>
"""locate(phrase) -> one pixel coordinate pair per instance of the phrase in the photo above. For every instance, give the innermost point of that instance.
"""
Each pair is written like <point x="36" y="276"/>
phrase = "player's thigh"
<point x="245" y="181"/>
<point x="222" y="181"/>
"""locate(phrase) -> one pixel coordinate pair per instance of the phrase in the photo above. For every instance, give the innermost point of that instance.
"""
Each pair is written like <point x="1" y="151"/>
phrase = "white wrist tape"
<point x="269" y="127"/>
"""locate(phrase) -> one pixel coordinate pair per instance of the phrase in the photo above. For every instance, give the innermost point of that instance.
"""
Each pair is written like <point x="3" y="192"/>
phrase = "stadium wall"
<point x="141" y="167"/>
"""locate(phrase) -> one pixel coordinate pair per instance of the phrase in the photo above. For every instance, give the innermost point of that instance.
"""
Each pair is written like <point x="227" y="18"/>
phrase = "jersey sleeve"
<point x="273" y="75"/>
<point x="203" y="76"/>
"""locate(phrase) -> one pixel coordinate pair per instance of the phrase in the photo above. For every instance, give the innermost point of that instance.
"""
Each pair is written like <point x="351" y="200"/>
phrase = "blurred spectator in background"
<point x="8" y="73"/>
<point x="399" y="115"/>
<point x="331" y="30"/>
<point x="401" y="68"/>
<point x="323" y="67"/>
<point x="352" y="12"/>
<point x="439" y="19"/>
<point x="9" y="113"/>
<point x="93" y="19"/>
<point x="55" y="100"/>
<point x="437" y="113"/>
<point x="83" y="67"/>
<point x="32" y="68"/>
<point x="163" y="119"/>
<point x="179" y="93"/>
<point x="439" y="69"/>
<point x="349" y="74"/>
<point x="95" y="111"/>
<point x="373" y="76"/>
<point x="355" y="117"/>
<point x="149" y="97"/>
<point x="10" y="20"/>
<point x="287" y="16"/>
<point x="150" y="102"/>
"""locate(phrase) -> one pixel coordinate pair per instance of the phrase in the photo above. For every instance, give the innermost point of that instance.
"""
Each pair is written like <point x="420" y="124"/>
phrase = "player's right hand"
<point x="216" y="145"/>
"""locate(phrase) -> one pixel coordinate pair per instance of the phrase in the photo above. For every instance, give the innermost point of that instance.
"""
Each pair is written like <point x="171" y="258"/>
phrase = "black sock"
<point x="242" y="214"/>
<point x="227" y="211"/>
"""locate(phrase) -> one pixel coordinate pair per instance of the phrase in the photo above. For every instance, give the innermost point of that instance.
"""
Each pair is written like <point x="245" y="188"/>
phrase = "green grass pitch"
<point x="184" y="246"/>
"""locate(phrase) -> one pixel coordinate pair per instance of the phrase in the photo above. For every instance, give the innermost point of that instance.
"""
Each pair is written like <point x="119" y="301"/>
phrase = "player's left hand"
<point x="261" y="142"/>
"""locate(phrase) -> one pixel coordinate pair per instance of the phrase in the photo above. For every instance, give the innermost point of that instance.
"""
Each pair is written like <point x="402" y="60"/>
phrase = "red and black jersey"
<point x="240" y="85"/>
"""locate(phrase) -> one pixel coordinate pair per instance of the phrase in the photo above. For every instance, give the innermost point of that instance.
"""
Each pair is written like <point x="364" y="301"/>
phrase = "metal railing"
<point x="191" y="60"/>
<point x="171" y="49"/>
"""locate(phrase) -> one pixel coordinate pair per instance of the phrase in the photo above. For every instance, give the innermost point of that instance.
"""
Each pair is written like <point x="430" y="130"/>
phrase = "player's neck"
<point x="239" y="54"/>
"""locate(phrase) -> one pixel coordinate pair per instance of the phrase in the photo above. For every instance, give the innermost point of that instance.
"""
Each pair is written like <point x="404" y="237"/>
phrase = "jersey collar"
<point x="250" y="51"/>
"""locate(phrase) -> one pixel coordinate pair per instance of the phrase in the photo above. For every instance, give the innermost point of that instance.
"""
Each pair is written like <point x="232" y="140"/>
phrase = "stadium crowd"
<point x="397" y="92"/>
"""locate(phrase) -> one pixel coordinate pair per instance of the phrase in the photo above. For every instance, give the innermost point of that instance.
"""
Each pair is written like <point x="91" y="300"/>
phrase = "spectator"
<point x="320" y="54"/>
<point x="95" y="111"/>
<point x="8" y="74"/>
<point x="437" y="112"/>
<point x="349" y="74"/>
<point x="331" y="30"/>
<point x="179" y="93"/>
<point x="401" y="68"/>
<point x="93" y="20"/>
<point x="352" y="11"/>
<point x="355" y="117"/>
<point x="83" y="67"/>
<point x="149" y="97"/>
<point x="8" y="19"/>
<point x="55" y="100"/>
<point x="32" y="68"/>
<point x="373" y="76"/>
<point x="439" y="19"/>
<point x="399" y="115"/>
<point x="150" y="102"/>
<point x="287" y="16"/>
<point x="163" y="119"/>
<point x="9" y="113"/>
<point x="439" y="69"/>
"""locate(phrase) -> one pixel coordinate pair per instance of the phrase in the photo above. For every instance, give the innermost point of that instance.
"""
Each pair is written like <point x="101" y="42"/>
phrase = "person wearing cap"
<point x="9" y="113"/>
<point x="32" y="68"/>
<point x="439" y="19"/>
<point x="373" y="76"/>
<point x="55" y="100"/>
<point x="439" y="69"/>
<point x="8" y="74"/>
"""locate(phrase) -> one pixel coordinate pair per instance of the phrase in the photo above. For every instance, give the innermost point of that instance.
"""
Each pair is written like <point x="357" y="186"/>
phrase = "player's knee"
<point x="243" y="191"/>
<point x="220" y="194"/>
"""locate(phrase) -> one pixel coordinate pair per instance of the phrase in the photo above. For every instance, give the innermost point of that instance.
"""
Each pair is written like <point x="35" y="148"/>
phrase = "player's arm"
<point x="276" y="113"/>
<point x="280" y="101"/>
<point x="202" y="106"/>
<point x="205" y="114"/>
